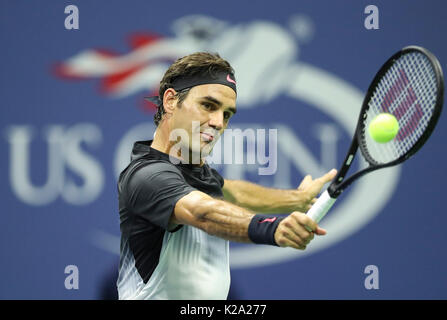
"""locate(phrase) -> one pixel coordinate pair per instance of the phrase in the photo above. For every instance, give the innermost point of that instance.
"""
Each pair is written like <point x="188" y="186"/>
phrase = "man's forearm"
<point x="263" y="200"/>
<point x="225" y="220"/>
<point x="231" y="222"/>
<point x="216" y="217"/>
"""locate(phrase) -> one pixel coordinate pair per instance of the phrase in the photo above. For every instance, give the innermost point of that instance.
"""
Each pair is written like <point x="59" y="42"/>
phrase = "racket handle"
<point x="321" y="207"/>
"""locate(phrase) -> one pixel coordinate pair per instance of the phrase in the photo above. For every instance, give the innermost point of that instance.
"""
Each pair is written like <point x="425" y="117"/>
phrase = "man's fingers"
<point x="320" y="231"/>
<point x="304" y="220"/>
<point x="293" y="232"/>
<point x="287" y="238"/>
<point x="306" y="181"/>
<point x="297" y="230"/>
<point x="310" y="225"/>
<point x="328" y="176"/>
<point x="297" y="241"/>
<point x="315" y="186"/>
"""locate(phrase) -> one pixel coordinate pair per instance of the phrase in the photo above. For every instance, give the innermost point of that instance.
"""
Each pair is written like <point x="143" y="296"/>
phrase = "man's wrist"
<point x="262" y="228"/>
<point x="301" y="200"/>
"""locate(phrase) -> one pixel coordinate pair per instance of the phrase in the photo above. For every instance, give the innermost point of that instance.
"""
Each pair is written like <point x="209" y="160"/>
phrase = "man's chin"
<point x="207" y="147"/>
<point x="205" y="150"/>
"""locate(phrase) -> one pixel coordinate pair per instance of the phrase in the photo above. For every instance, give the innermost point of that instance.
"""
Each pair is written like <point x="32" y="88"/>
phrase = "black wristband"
<point x="261" y="229"/>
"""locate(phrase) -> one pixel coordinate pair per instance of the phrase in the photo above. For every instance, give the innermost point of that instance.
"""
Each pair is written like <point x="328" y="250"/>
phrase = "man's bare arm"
<point x="261" y="199"/>
<point x="269" y="200"/>
<point x="231" y="222"/>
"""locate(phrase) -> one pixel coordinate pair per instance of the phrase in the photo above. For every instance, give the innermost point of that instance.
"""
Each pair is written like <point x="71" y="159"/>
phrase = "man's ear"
<point x="169" y="100"/>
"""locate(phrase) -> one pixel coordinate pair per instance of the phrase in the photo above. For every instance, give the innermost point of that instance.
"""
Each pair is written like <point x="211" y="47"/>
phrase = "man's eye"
<point x="227" y="115"/>
<point x="207" y="105"/>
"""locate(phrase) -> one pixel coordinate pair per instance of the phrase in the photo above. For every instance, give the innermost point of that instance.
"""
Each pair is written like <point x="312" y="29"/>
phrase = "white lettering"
<point x="72" y="280"/>
<point x="372" y="280"/>
<point x="72" y="20"/>
<point x="372" y="20"/>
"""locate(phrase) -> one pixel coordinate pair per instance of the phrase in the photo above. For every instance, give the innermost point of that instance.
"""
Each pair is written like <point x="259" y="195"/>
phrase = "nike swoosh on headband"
<point x="230" y="80"/>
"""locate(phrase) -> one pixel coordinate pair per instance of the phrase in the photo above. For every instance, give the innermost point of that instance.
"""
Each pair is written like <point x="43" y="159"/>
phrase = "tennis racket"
<point x="410" y="86"/>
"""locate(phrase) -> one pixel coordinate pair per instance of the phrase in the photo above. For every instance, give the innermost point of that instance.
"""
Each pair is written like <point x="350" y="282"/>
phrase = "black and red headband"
<point x="186" y="82"/>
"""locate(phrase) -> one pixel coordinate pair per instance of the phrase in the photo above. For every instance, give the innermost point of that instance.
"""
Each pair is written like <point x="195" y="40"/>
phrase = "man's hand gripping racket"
<point x="409" y="86"/>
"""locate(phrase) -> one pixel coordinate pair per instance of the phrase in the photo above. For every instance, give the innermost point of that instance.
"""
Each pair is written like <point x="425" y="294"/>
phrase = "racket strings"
<point x="408" y="90"/>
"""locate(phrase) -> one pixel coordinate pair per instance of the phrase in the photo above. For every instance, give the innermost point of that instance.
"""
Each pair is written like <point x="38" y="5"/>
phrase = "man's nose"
<point x="216" y="120"/>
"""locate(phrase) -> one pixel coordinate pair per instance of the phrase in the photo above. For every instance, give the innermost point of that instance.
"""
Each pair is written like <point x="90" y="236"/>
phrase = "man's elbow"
<point x="194" y="209"/>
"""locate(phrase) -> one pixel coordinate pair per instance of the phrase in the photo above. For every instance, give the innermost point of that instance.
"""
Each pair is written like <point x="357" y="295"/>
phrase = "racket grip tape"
<point x="321" y="207"/>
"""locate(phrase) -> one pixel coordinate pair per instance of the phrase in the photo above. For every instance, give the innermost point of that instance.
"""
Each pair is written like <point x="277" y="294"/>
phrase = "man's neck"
<point x="162" y="143"/>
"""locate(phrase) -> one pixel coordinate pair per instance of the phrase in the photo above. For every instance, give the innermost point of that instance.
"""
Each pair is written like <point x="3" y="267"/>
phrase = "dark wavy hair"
<point x="191" y="65"/>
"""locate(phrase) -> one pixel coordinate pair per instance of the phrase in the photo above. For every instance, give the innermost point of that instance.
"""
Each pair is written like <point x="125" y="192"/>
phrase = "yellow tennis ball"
<point x="383" y="128"/>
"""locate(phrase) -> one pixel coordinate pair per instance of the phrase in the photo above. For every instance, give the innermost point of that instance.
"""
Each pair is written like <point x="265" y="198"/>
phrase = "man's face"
<point x="204" y="115"/>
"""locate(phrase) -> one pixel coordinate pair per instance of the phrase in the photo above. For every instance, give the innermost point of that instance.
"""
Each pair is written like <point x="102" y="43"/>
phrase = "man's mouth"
<point x="207" y="136"/>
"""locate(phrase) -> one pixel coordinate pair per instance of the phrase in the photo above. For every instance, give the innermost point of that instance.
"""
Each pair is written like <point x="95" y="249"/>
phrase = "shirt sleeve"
<point x="153" y="191"/>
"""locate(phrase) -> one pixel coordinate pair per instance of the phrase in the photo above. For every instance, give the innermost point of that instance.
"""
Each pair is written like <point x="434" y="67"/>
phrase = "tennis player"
<point x="177" y="216"/>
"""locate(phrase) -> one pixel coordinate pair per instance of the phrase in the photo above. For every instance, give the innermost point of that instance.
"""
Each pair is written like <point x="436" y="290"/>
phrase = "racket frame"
<point x="340" y="182"/>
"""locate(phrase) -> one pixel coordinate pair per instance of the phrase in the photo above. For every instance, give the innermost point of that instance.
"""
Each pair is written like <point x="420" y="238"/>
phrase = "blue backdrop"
<point x="71" y="107"/>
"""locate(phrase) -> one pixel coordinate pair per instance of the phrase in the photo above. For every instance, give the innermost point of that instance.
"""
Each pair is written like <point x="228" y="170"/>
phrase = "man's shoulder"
<point x="157" y="166"/>
<point x="144" y="166"/>
<point x="144" y="169"/>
